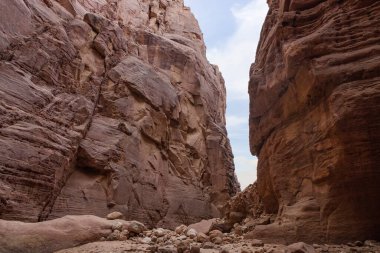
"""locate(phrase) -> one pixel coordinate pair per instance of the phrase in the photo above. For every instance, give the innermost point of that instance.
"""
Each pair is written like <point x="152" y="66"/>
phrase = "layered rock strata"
<point x="110" y="106"/>
<point x="315" y="118"/>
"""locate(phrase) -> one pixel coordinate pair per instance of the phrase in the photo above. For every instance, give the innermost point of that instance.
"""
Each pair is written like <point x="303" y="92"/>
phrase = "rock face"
<point x="61" y="233"/>
<point x="110" y="106"/>
<point x="315" y="118"/>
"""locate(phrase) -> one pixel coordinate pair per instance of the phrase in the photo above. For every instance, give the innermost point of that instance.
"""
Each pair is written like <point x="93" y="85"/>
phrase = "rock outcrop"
<point x="315" y="118"/>
<point x="61" y="233"/>
<point x="110" y="106"/>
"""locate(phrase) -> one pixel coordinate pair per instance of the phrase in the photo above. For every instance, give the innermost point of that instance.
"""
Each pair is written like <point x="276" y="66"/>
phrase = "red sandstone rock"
<point x="62" y="233"/>
<point x="110" y="106"/>
<point x="314" y="120"/>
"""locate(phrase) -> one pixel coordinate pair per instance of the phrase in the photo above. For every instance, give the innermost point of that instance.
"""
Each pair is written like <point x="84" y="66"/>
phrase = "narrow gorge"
<point x="113" y="130"/>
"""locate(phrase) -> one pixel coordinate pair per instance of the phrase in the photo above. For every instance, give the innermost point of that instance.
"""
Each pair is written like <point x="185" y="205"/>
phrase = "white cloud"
<point x="235" y="56"/>
<point x="247" y="170"/>
<point x="236" y="121"/>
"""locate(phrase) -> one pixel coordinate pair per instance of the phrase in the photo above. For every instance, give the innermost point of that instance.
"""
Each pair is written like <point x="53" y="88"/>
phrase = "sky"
<point x="231" y="29"/>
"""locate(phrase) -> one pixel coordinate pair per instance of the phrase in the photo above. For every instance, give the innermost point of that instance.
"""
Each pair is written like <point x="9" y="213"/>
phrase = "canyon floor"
<point x="229" y="244"/>
<point x="113" y="234"/>
<point x="244" y="246"/>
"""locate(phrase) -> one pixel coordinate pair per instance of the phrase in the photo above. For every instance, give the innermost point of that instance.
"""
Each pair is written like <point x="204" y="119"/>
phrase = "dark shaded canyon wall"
<point x="110" y="105"/>
<point x="315" y="120"/>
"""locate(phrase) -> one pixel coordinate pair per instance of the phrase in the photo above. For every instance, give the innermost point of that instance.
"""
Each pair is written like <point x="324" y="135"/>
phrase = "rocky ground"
<point x="186" y="239"/>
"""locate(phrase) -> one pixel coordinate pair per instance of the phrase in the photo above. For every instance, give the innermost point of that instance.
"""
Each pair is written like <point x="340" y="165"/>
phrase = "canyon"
<point x="113" y="130"/>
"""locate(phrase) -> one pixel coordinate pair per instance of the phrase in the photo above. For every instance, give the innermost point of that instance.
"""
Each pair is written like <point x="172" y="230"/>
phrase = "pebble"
<point x="217" y="240"/>
<point x="208" y="245"/>
<point x="136" y="227"/>
<point x="195" y="249"/>
<point x="117" y="226"/>
<point x="152" y="249"/>
<point x="215" y="233"/>
<point x="159" y="232"/>
<point x="180" y="229"/>
<point x="192" y="233"/>
<point x="146" y="240"/>
<point x="166" y="249"/>
<point x="257" y="243"/>
<point x="201" y="237"/>
<point x="115" y="216"/>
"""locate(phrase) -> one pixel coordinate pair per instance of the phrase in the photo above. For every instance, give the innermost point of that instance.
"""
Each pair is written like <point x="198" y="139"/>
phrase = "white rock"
<point x="159" y="232"/>
<point x="192" y="233"/>
<point x="115" y="216"/>
<point x="146" y="240"/>
<point x="117" y="226"/>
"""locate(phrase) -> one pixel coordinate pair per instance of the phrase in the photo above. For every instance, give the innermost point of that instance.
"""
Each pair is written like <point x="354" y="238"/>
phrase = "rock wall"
<point x="315" y="120"/>
<point x="110" y="105"/>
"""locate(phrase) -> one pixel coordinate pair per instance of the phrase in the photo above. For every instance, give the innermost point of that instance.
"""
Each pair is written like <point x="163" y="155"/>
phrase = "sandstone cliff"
<point x="315" y="120"/>
<point x="110" y="105"/>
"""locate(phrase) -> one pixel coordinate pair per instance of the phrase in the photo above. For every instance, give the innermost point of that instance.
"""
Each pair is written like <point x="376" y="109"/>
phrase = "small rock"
<point x="257" y="243"/>
<point x="358" y="244"/>
<point x="181" y="229"/>
<point x="182" y="247"/>
<point x="124" y="235"/>
<point x="182" y="237"/>
<point x="228" y="239"/>
<point x="166" y="249"/>
<point x="300" y="247"/>
<point x="217" y="240"/>
<point x="159" y="232"/>
<point x="215" y="233"/>
<point x="202" y="237"/>
<point x="192" y="233"/>
<point x="224" y="251"/>
<point x="195" y="249"/>
<point x="114" y="236"/>
<point x="371" y="243"/>
<point x="152" y="249"/>
<point x="146" y="240"/>
<point x="203" y="226"/>
<point x="115" y="216"/>
<point x="117" y="226"/>
<point x="136" y="227"/>
<point x="208" y="245"/>
<point x="245" y="250"/>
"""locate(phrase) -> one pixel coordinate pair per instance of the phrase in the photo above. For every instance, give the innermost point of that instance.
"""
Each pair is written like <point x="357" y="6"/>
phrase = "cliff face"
<point x="110" y="105"/>
<point x="315" y="118"/>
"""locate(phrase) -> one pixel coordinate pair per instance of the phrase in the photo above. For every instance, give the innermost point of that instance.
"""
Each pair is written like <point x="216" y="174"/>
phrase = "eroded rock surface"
<point x="62" y="233"/>
<point x="110" y="106"/>
<point x="314" y="120"/>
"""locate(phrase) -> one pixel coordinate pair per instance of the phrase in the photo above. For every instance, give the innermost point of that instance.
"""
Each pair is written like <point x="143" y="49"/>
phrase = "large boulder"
<point x="53" y="235"/>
